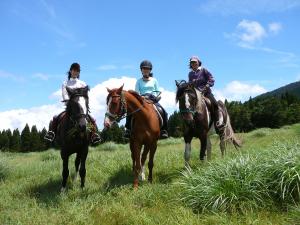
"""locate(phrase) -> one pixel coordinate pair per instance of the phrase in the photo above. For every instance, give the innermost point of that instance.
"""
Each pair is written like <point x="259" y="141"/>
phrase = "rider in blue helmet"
<point x="147" y="86"/>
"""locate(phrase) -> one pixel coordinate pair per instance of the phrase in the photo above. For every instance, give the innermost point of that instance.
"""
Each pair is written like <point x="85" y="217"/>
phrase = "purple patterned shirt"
<point x="201" y="77"/>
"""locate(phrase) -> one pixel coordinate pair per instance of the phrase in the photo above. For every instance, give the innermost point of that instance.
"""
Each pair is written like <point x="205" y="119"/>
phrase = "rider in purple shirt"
<point x="203" y="81"/>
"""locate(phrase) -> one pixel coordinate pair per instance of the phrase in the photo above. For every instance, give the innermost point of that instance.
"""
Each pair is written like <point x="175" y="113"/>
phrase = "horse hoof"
<point x="63" y="190"/>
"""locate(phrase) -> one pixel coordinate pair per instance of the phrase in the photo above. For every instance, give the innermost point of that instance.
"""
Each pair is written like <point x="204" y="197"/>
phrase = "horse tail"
<point x="228" y="134"/>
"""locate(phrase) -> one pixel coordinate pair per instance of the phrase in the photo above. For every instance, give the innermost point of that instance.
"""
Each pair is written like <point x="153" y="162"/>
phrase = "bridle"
<point x="189" y="110"/>
<point x="75" y="118"/>
<point x="123" y="113"/>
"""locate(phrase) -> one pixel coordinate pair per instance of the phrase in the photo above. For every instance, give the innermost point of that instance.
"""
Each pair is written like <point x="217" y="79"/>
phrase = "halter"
<point x="123" y="111"/>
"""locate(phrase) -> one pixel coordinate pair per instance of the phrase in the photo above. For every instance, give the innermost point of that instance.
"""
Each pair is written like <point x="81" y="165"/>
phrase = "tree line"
<point x="269" y="111"/>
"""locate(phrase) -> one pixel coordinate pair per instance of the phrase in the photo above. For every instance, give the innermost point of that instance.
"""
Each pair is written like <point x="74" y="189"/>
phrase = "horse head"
<point x="187" y="98"/>
<point x="116" y="106"/>
<point x="78" y="107"/>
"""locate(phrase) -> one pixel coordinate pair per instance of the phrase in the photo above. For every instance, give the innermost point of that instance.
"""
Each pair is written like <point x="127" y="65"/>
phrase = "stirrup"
<point x="163" y="134"/>
<point x="50" y="136"/>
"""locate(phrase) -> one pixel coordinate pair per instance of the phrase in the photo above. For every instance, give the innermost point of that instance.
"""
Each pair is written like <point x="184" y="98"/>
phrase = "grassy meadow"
<point x="257" y="185"/>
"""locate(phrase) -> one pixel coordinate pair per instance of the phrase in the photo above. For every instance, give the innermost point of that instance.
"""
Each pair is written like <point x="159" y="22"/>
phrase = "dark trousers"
<point x="214" y="103"/>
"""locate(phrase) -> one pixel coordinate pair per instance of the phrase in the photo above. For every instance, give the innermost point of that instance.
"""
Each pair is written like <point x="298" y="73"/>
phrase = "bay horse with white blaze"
<point x="145" y="127"/>
<point x="195" y="110"/>
<point x="73" y="134"/>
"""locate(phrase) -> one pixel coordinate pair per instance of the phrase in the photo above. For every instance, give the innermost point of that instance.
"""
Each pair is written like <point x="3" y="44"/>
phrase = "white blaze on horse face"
<point x="187" y="101"/>
<point x="187" y="152"/>
<point x="82" y="103"/>
<point x="107" y="120"/>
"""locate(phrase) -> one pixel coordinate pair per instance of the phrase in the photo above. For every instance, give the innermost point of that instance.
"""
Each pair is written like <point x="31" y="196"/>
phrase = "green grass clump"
<point x="247" y="182"/>
<point x="4" y="167"/>
<point x="233" y="185"/>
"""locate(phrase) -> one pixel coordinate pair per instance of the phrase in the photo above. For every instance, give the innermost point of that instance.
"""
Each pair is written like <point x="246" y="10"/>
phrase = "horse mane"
<point x="136" y="95"/>
<point x="181" y="89"/>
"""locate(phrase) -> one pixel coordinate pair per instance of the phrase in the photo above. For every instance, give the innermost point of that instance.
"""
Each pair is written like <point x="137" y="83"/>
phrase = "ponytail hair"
<point x="74" y="66"/>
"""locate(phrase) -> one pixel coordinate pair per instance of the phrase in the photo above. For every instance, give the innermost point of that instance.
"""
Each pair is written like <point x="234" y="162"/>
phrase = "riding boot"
<point x="164" y="128"/>
<point x="215" y="112"/>
<point x="128" y="127"/>
<point x="50" y="135"/>
<point x="95" y="137"/>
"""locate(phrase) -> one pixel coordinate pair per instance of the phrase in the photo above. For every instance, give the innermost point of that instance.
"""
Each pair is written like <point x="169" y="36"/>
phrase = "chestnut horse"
<point x="145" y="127"/>
<point x="195" y="110"/>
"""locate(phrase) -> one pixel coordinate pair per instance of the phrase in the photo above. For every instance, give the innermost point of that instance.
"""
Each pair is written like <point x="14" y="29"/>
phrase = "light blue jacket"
<point x="147" y="87"/>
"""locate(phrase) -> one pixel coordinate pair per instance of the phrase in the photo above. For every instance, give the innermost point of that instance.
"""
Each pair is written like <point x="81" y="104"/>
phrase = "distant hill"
<point x="292" y="88"/>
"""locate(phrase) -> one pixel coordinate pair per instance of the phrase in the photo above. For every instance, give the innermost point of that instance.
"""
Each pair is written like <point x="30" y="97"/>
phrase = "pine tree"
<point x="175" y="125"/>
<point x="25" y="139"/>
<point x="35" y="142"/>
<point x="44" y="144"/>
<point x="15" y="141"/>
<point x="4" y="141"/>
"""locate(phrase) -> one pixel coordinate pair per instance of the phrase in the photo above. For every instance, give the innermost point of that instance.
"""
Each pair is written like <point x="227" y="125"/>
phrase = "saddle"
<point x="159" y="111"/>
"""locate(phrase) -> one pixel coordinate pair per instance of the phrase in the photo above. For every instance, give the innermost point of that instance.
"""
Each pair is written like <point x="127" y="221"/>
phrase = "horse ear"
<point x="120" y="89"/>
<point x="177" y="83"/>
<point x="109" y="90"/>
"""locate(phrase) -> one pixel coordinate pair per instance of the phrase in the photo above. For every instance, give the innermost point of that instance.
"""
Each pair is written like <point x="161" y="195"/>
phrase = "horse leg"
<point x="222" y="146"/>
<point x="187" y="154"/>
<point x="203" y="140"/>
<point x="82" y="170"/>
<point x="65" y="172"/>
<point x="136" y="151"/>
<point x="144" y="157"/>
<point x="208" y="148"/>
<point x="151" y="158"/>
<point x="77" y="163"/>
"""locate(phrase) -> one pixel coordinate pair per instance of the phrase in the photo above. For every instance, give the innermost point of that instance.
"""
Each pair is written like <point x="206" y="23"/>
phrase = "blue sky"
<point x="249" y="46"/>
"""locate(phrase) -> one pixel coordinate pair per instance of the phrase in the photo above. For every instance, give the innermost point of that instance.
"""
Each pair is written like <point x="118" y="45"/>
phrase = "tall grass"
<point x="247" y="182"/>
<point x="4" y="168"/>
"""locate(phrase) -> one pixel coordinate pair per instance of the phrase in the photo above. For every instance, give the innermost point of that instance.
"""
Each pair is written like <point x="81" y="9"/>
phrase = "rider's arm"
<point x="65" y="95"/>
<point x="156" y="88"/>
<point x="210" y="78"/>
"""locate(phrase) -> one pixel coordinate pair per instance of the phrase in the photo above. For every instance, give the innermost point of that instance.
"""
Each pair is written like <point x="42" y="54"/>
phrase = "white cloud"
<point x="40" y="116"/>
<point x="11" y="76"/>
<point x="41" y="76"/>
<point x="250" y="34"/>
<point x="251" y="31"/>
<point x="233" y="7"/>
<point x="239" y="91"/>
<point x="275" y="28"/>
<point x="107" y="67"/>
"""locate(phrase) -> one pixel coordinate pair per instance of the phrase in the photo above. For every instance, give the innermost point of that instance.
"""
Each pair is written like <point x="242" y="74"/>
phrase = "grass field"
<point x="30" y="185"/>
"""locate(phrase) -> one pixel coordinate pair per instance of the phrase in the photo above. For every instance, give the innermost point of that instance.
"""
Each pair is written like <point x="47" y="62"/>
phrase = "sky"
<point x="250" y="47"/>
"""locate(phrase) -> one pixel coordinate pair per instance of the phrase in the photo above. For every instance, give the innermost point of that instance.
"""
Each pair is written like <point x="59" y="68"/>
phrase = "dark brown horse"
<point x="73" y="135"/>
<point x="145" y="127"/>
<point x="195" y="110"/>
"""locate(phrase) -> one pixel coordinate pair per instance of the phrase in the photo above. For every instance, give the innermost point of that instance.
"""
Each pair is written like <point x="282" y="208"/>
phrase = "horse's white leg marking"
<point x="142" y="176"/>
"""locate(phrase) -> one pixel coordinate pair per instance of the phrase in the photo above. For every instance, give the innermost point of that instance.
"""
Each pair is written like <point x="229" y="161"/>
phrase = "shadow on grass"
<point x="122" y="177"/>
<point x="166" y="177"/>
<point x="47" y="193"/>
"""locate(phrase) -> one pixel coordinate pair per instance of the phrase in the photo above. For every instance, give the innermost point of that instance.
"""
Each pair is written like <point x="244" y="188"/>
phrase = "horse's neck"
<point x="199" y="102"/>
<point x="132" y="103"/>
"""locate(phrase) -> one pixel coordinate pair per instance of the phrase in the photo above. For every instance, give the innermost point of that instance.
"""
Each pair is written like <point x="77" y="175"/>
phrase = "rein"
<point x="123" y="111"/>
